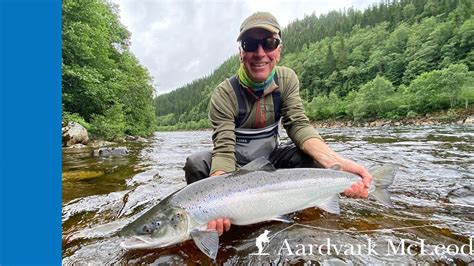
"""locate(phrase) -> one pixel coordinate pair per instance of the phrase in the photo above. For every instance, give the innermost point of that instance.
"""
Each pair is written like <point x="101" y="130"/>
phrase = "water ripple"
<point x="433" y="194"/>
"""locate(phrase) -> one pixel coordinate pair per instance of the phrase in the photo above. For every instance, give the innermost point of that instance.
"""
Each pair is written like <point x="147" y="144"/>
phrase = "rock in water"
<point x="469" y="120"/>
<point x="74" y="133"/>
<point x="106" y="152"/>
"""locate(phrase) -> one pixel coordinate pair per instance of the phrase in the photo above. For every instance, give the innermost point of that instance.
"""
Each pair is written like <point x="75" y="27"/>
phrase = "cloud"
<point x="180" y="41"/>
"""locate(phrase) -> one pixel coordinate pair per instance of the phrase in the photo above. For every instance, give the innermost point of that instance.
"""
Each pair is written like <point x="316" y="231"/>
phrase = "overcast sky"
<point x="182" y="40"/>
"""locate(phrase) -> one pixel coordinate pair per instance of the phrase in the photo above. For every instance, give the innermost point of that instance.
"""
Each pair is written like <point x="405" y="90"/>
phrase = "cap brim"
<point x="267" y="27"/>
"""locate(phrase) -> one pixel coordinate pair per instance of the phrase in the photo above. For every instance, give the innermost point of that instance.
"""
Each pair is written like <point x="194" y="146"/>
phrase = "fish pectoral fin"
<point x="282" y="218"/>
<point x="207" y="241"/>
<point x="330" y="205"/>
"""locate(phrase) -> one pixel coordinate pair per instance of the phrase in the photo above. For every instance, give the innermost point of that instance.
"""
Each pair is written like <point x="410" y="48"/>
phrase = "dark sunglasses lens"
<point x="270" y="44"/>
<point x="250" y="45"/>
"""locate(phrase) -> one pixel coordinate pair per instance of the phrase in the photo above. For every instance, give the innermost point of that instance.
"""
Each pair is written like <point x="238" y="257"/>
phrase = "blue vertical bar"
<point x="30" y="132"/>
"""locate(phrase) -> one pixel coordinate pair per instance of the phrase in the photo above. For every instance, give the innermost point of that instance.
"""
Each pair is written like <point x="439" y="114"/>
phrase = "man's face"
<point x="260" y="63"/>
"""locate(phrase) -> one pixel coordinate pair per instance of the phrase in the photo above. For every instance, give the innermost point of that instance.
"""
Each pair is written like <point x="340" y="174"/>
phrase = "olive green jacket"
<point x="223" y="111"/>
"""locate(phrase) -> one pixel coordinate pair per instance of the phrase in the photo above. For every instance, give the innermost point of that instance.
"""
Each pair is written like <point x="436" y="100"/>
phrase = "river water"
<point x="432" y="222"/>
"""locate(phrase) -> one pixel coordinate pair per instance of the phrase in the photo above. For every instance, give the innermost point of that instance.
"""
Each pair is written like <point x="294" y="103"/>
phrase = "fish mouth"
<point x="140" y="242"/>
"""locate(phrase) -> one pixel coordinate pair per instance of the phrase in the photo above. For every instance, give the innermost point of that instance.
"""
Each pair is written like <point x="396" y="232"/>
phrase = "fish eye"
<point x="151" y="227"/>
<point x="146" y="229"/>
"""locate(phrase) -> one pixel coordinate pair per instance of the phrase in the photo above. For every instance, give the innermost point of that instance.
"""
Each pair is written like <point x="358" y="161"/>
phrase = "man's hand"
<point x="361" y="188"/>
<point x="218" y="172"/>
<point x="219" y="225"/>
<point x="325" y="156"/>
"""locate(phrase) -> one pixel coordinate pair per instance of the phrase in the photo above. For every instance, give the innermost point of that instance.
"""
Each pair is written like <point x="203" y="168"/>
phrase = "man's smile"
<point x="259" y="65"/>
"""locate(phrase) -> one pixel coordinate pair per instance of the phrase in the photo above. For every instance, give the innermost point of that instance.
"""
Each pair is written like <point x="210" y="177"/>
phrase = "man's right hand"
<point x="218" y="172"/>
<point x="219" y="224"/>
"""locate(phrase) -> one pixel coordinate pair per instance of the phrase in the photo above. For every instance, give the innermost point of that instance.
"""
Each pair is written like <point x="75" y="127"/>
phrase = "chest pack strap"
<point x="239" y="92"/>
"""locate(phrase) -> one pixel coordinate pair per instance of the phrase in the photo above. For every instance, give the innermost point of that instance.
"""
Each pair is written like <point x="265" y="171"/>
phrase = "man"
<point x="245" y="111"/>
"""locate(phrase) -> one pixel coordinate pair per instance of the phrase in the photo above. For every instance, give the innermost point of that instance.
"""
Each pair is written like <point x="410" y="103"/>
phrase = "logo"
<point x="241" y="140"/>
<point x="329" y="247"/>
<point x="263" y="238"/>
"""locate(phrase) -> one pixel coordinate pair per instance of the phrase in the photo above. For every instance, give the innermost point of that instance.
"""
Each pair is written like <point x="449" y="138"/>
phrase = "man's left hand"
<point x="361" y="188"/>
<point x="325" y="156"/>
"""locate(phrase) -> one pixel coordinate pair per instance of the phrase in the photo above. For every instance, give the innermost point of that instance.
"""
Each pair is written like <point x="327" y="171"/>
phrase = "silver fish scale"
<point x="250" y="197"/>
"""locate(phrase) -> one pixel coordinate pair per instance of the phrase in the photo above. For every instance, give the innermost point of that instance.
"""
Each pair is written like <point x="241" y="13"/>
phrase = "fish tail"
<point x="382" y="178"/>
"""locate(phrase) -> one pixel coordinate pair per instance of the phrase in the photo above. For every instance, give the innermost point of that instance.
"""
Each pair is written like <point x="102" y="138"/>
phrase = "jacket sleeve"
<point x="294" y="120"/>
<point x="222" y="113"/>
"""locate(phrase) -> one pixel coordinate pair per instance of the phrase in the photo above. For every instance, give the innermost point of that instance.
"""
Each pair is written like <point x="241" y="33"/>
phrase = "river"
<point x="432" y="222"/>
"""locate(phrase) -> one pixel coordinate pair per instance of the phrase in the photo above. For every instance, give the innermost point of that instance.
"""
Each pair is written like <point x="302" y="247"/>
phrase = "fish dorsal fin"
<point x="330" y="205"/>
<point x="207" y="241"/>
<point x="259" y="164"/>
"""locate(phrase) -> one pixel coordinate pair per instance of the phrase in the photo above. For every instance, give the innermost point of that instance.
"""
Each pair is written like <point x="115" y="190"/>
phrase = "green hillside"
<point x="392" y="60"/>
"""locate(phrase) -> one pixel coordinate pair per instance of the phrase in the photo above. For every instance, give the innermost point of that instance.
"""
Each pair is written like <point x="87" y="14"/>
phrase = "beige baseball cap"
<point x="263" y="20"/>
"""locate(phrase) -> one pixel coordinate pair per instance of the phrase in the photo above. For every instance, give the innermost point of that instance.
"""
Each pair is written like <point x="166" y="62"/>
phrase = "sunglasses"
<point x="268" y="44"/>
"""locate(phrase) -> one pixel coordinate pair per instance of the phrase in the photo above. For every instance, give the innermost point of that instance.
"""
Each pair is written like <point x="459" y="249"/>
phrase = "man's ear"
<point x="280" y="49"/>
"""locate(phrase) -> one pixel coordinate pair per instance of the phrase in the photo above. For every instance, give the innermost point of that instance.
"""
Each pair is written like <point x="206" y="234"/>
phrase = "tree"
<point x="409" y="12"/>
<point x="102" y="81"/>
<point x="373" y="99"/>
<point x="466" y="42"/>
<point x="438" y="89"/>
<point x="466" y="95"/>
<point x="111" y="125"/>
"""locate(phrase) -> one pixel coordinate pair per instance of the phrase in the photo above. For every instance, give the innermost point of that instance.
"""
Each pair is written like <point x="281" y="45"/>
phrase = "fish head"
<point x="156" y="228"/>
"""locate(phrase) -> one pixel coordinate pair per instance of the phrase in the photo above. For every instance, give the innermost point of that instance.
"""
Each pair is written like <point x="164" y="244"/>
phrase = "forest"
<point x="393" y="60"/>
<point x="104" y="87"/>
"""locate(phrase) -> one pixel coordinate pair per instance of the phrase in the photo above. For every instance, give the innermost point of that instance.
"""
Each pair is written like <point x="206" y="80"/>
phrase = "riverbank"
<point x="456" y="116"/>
